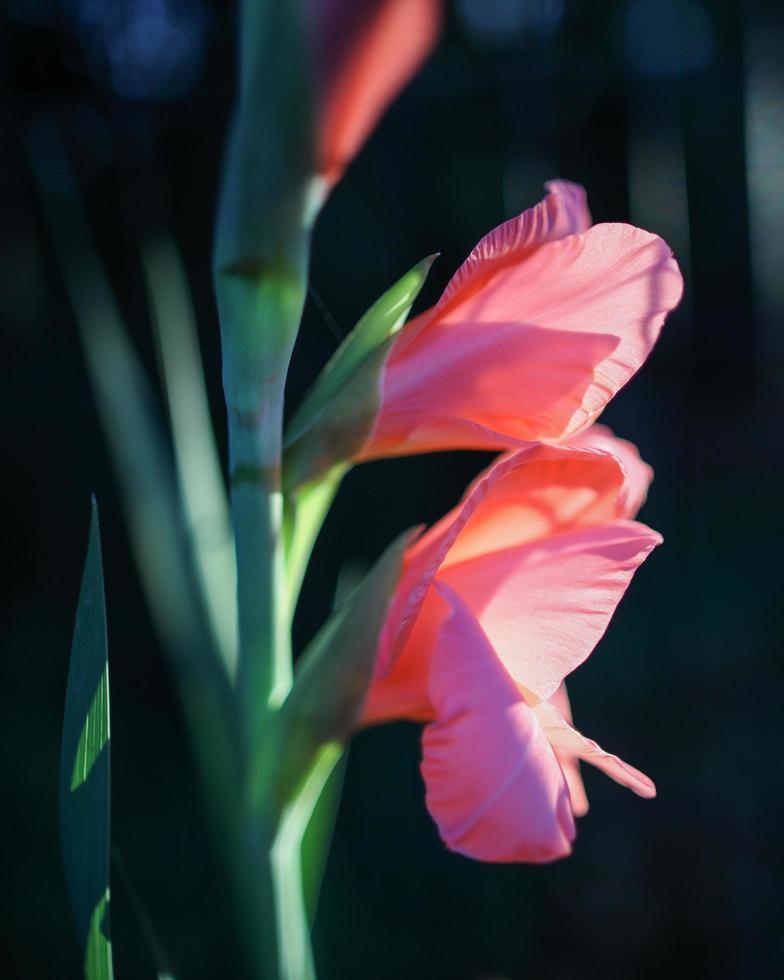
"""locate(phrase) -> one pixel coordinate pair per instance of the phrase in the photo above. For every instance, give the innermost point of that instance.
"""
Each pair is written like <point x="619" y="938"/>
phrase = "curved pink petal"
<point x="569" y="762"/>
<point x="494" y="786"/>
<point x="638" y="474"/>
<point x="522" y="497"/>
<point x="545" y="606"/>
<point x="535" y="353"/>
<point x="422" y="560"/>
<point x="536" y="494"/>
<point x="564" y="211"/>
<point x="400" y="688"/>
<point x="568" y="742"/>
<point x="366" y="52"/>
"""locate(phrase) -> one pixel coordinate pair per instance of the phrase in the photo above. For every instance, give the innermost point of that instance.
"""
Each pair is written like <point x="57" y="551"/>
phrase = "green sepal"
<point x="84" y="769"/>
<point x="337" y="415"/>
<point x="333" y="676"/>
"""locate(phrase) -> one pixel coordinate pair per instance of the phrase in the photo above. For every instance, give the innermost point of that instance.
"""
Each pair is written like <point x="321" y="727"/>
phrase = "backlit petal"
<point x="535" y="353"/>
<point x="536" y="494"/>
<point x="545" y="606"/>
<point x="523" y="497"/>
<point x="564" y="211"/>
<point x="494" y="786"/>
<point x="638" y="474"/>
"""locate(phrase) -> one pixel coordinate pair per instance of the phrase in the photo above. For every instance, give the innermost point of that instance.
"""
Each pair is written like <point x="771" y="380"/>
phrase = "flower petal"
<point x="535" y="494"/>
<point x="569" y="762"/>
<point x="522" y="497"/>
<point x="564" y="211"/>
<point x="400" y="686"/>
<point x="536" y="353"/>
<point x="545" y="606"/>
<point x="638" y="474"/>
<point x="494" y="786"/>
<point x="568" y="742"/>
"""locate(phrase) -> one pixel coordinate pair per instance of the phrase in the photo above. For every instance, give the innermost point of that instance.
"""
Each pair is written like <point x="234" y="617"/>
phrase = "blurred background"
<point x="671" y="113"/>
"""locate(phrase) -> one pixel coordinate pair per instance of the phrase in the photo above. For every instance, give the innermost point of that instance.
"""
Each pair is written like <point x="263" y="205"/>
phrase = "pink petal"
<point x="569" y="762"/>
<point x="522" y="497"/>
<point x="400" y="687"/>
<point x="564" y="211"/>
<point x="638" y="474"/>
<point x="538" y="493"/>
<point x="536" y="353"/>
<point x="568" y="742"/>
<point x="494" y="786"/>
<point x="367" y="50"/>
<point x="546" y="605"/>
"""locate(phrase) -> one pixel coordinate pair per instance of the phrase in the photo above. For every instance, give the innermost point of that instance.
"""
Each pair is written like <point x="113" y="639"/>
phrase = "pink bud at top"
<point x="366" y="51"/>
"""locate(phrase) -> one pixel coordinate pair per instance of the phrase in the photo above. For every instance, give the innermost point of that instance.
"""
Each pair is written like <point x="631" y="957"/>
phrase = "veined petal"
<point x="564" y="211"/>
<point x="638" y="474"/>
<point x="536" y="353"/>
<point x="568" y="742"/>
<point x="538" y="493"/>
<point x="494" y="786"/>
<point x="523" y="497"/>
<point x="545" y="606"/>
<point x="423" y="560"/>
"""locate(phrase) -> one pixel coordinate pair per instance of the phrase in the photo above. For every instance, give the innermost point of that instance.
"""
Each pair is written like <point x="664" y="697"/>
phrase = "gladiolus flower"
<point x="365" y="51"/>
<point x="543" y="323"/>
<point x="497" y="603"/>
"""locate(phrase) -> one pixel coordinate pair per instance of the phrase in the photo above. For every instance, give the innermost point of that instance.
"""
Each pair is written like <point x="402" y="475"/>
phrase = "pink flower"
<point x="497" y="603"/>
<point x="542" y="324"/>
<point x="366" y="52"/>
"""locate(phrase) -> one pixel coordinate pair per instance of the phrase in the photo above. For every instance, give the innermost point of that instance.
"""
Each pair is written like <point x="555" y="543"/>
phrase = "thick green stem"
<point x="261" y="258"/>
<point x="259" y="319"/>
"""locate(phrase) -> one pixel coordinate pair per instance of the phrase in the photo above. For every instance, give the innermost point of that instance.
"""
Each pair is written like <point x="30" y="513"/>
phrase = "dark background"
<point x="670" y="112"/>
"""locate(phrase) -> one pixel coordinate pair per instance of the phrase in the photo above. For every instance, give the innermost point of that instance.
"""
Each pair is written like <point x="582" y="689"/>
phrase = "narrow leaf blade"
<point x="85" y="769"/>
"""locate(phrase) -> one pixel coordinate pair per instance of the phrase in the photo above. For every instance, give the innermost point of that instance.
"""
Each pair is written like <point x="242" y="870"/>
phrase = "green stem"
<point x="258" y="316"/>
<point x="260" y="304"/>
<point x="259" y="320"/>
<point x="261" y="257"/>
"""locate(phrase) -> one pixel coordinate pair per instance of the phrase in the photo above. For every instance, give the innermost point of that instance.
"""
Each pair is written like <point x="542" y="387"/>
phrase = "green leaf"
<point x="199" y="472"/>
<point x="143" y="920"/>
<point x="84" y="769"/>
<point x="382" y="321"/>
<point x="317" y="837"/>
<point x="142" y="460"/>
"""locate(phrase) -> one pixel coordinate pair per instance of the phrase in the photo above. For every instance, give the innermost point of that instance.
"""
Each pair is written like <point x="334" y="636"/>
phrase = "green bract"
<point x="337" y="415"/>
<point x="334" y="673"/>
